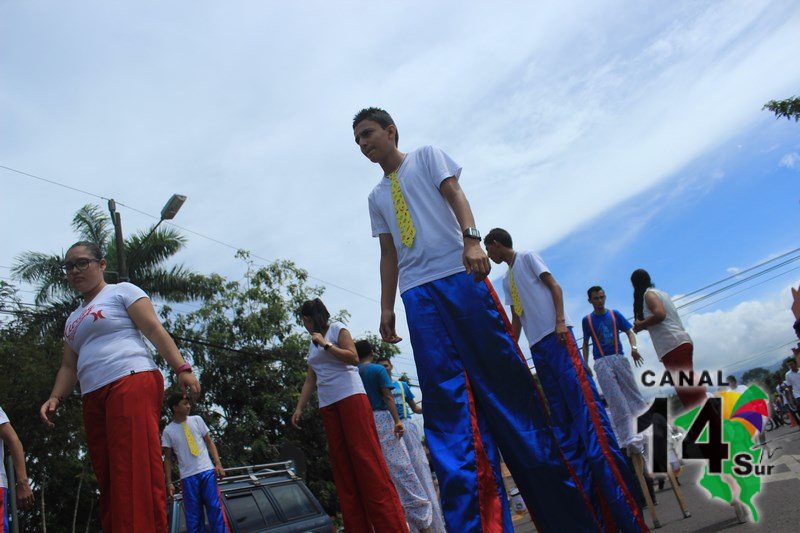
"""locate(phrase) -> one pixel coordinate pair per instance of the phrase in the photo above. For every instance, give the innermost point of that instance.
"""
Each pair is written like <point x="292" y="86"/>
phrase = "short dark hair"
<point x="500" y="236"/>
<point x="381" y="116"/>
<point x="732" y="377"/>
<point x="364" y="349"/>
<point x="174" y="399"/>
<point x="791" y="360"/>
<point x="92" y="247"/>
<point x="316" y="311"/>
<point x="593" y="289"/>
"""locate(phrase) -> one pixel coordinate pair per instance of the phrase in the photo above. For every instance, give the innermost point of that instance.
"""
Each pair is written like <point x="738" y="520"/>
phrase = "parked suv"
<point x="270" y="498"/>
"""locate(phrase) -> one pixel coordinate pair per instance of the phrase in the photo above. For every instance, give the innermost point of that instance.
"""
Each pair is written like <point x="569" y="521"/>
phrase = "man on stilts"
<point x="613" y="370"/>
<point x="479" y="394"/>
<point x="579" y="419"/>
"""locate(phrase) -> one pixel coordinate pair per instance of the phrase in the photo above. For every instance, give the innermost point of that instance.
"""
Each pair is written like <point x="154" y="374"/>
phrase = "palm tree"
<point x="146" y="255"/>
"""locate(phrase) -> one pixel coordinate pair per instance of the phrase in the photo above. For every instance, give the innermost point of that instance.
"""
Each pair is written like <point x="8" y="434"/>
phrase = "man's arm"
<point x="168" y="471"/>
<point x="24" y="493"/>
<point x="389" y="275"/>
<point x="558" y="302"/>
<point x="656" y="307"/>
<point x="388" y="399"/>
<point x="415" y="407"/>
<point x="212" y="448"/>
<point x="516" y="324"/>
<point x="585" y="351"/>
<point x="475" y="259"/>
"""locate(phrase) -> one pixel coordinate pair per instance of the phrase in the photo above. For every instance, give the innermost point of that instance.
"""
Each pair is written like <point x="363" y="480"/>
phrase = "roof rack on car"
<point x="256" y="472"/>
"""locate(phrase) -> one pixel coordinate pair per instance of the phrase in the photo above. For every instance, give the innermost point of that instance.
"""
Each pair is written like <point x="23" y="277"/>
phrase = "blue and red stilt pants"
<point x="367" y="497"/>
<point x="584" y="432"/>
<point x="479" y="395"/>
<point x="200" y="491"/>
<point x="121" y="422"/>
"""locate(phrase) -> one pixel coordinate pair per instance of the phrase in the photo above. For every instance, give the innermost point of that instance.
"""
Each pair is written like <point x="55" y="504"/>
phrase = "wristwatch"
<point x="327" y="346"/>
<point x="472" y="233"/>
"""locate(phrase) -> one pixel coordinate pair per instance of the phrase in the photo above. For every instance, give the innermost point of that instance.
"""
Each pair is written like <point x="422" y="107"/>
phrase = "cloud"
<point x="558" y="111"/>
<point x="791" y="160"/>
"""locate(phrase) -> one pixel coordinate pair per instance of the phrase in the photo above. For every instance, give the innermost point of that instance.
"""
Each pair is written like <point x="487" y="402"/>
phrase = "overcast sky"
<point x="606" y="136"/>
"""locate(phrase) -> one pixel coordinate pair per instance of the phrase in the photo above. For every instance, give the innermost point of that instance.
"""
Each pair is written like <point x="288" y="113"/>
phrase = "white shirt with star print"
<point x="108" y="343"/>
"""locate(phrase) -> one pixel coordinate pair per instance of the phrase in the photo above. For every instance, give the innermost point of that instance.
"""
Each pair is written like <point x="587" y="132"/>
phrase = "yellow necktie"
<point x="407" y="231"/>
<point x="516" y="303"/>
<point x="190" y="440"/>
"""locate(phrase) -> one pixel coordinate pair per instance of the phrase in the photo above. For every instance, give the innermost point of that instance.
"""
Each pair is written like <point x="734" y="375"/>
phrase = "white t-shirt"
<point x="793" y="378"/>
<point x="438" y="242"/>
<point x="3" y="479"/>
<point x="174" y="437"/>
<point x="335" y="379"/>
<point x="669" y="333"/>
<point x="108" y="344"/>
<point x="538" y="311"/>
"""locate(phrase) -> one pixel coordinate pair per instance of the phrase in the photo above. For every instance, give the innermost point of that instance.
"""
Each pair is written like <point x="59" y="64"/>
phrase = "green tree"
<point x="145" y="256"/>
<point x="756" y="375"/>
<point x="789" y="108"/>
<point x="251" y="351"/>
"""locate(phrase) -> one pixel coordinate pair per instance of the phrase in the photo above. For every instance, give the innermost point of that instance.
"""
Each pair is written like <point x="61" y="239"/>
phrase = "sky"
<point x="607" y="137"/>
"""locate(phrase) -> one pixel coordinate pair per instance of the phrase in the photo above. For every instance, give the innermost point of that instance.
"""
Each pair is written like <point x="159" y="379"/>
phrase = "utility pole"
<point x="122" y="268"/>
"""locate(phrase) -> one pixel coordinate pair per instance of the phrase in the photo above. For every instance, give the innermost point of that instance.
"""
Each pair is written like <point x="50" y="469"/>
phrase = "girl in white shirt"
<point x="122" y="390"/>
<point x="367" y="497"/>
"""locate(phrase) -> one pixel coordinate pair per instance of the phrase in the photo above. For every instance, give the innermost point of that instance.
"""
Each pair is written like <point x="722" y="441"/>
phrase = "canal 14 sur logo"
<point x="720" y="432"/>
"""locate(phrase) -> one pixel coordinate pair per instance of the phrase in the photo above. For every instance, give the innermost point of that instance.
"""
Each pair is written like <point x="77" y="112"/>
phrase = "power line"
<point x="187" y="230"/>
<point x="701" y="289"/>
<point x="191" y="340"/>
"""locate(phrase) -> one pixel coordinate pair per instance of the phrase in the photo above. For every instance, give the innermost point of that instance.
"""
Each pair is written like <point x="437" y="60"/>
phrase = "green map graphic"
<point x="737" y="436"/>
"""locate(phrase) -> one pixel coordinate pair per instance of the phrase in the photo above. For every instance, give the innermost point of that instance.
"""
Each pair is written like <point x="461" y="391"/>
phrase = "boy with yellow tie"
<point x="188" y="438"/>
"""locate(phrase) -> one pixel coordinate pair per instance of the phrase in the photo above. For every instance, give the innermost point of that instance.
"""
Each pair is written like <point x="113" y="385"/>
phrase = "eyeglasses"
<point x="80" y="265"/>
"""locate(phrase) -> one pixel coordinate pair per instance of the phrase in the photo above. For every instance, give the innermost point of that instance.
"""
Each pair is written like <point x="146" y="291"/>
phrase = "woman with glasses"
<point x="122" y="390"/>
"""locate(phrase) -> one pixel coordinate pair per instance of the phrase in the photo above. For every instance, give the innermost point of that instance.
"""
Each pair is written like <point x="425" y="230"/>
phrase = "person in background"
<point x="367" y="497"/>
<point x="654" y="311"/>
<point x="391" y="429"/>
<point x="614" y="373"/>
<point x="189" y="440"/>
<point x="406" y="406"/>
<point x="24" y="494"/>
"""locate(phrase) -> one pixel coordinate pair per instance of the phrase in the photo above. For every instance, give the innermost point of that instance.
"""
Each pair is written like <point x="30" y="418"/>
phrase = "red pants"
<point x="366" y="493"/>
<point x="121" y="421"/>
<point x="678" y="359"/>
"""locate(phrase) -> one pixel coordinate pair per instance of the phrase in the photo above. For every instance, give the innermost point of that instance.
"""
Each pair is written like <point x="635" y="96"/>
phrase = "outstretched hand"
<point x="638" y="360"/>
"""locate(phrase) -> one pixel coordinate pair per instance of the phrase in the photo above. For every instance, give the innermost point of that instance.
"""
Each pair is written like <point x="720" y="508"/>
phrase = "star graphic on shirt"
<point x="97" y="315"/>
